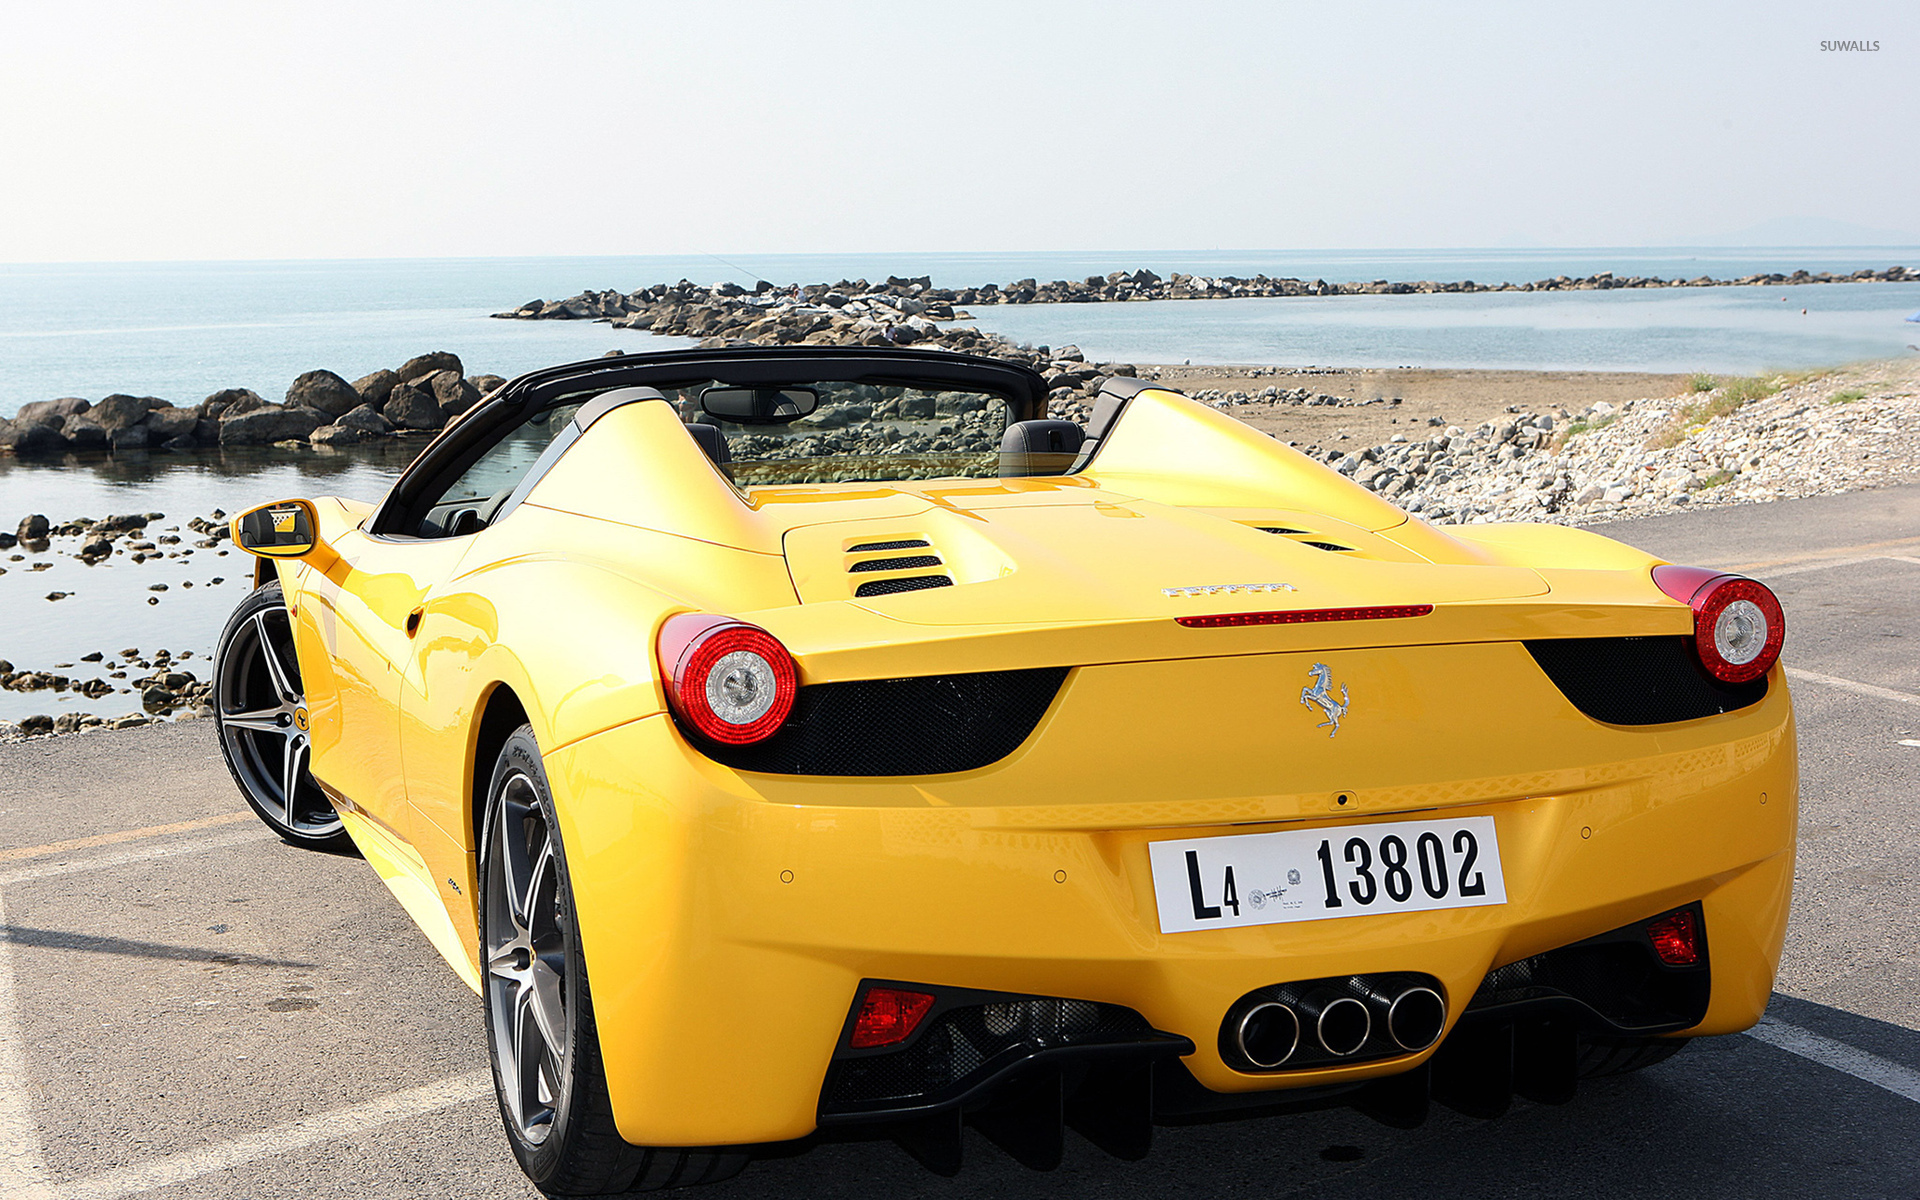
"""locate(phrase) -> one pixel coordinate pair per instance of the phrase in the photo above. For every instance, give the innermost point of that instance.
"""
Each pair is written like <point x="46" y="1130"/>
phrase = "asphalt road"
<point x="190" y="1009"/>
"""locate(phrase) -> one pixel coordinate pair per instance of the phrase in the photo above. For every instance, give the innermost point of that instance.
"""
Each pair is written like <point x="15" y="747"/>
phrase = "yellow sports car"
<point x="803" y="743"/>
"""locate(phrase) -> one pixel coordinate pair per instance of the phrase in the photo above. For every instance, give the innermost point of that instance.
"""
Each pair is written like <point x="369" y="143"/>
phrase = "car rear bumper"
<point x="729" y="919"/>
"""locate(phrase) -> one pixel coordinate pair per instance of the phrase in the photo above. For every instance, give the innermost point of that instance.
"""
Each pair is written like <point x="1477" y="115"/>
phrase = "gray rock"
<point x="119" y="412"/>
<point x="133" y="437"/>
<point x="33" y="528"/>
<point x="451" y="392"/>
<point x="375" y="388"/>
<point x="84" y="433"/>
<point x="55" y="411"/>
<point x="167" y="423"/>
<point x="231" y="402"/>
<point x="368" y="420"/>
<point x="410" y="408"/>
<point x="427" y="364"/>
<point x="486" y="385"/>
<point x="270" y="424"/>
<point x="338" y="435"/>
<point x="324" y="392"/>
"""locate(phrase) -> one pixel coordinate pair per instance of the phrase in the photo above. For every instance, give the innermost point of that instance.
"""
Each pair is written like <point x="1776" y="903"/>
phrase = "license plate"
<point x="1319" y="874"/>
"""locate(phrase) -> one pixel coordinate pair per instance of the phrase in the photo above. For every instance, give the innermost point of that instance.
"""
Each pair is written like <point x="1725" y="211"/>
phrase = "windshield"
<point x="858" y="432"/>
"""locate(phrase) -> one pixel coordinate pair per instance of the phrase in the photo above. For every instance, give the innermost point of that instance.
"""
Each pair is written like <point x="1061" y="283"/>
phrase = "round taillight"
<point x="733" y="682"/>
<point x="1738" y="627"/>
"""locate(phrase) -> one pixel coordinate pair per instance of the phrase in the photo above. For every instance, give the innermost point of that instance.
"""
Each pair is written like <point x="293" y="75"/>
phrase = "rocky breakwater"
<point x="1725" y="441"/>
<point x="320" y="408"/>
<point x="906" y="310"/>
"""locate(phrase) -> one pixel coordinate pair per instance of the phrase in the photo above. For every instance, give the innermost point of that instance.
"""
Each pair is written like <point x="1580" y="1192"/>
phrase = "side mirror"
<point x="283" y="529"/>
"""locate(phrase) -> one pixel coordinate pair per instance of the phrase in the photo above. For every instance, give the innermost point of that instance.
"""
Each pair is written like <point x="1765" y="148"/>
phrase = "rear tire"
<point x="541" y="1038"/>
<point x="1601" y="1056"/>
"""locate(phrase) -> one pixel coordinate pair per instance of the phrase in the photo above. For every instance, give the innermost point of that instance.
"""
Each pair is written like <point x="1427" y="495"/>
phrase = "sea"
<point x="183" y="330"/>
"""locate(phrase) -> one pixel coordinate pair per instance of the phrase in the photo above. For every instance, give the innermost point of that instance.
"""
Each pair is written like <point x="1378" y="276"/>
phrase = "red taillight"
<point x="733" y="682"/>
<point x="888" y="1015"/>
<point x="1738" y="627"/>
<point x="1304" y="616"/>
<point x="1676" y="938"/>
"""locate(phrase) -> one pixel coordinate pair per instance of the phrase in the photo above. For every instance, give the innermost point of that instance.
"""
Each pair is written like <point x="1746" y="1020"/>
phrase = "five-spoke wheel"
<point x="261" y="713"/>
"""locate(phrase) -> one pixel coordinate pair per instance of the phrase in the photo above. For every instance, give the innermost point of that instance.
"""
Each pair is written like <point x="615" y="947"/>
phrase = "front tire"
<point x="545" y="1049"/>
<point x="260" y="713"/>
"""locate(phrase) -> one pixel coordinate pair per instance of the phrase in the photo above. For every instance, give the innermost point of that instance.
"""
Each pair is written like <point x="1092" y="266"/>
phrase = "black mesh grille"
<point x="1616" y="975"/>
<point x="1639" y="680"/>
<point x="903" y="544"/>
<point x="896" y="564"/>
<point x="912" y="583"/>
<point x="1325" y="545"/>
<point x="963" y="1044"/>
<point x="1277" y="529"/>
<point x="930" y="725"/>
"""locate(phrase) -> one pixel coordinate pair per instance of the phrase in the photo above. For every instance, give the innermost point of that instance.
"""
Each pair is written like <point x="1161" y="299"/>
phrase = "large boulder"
<point x="231" y="402"/>
<point x="33" y="528"/>
<point x="451" y="392"/>
<point x="337" y="435"/>
<point x="119" y="412"/>
<point x="130" y="437"/>
<point x="486" y="385"/>
<point x="32" y="438"/>
<point x="411" y="408"/>
<point x="368" y="420"/>
<point x="324" y="392"/>
<point x="168" y="423"/>
<point x="427" y="364"/>
<point x="52" y="411"/>
<point x="273" y="423"/>
<point x="84" y="433"/>
<point x="375" y="388"/>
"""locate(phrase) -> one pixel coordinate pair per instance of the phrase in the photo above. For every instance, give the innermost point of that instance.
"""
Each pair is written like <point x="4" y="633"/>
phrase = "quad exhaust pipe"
<point x="1335" y="1019"/>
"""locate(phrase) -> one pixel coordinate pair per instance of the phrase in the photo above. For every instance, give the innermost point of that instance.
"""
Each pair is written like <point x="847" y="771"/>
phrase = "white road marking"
<point x="1825" y="565"/>
<point x="1868" y="1068"/>
<point x="1849" y="685"/>
<point x="23" y="1172"/>
<point x="332" y="1126"/>
<point x="197" y="845"/>
<point x="1910" y="741"/>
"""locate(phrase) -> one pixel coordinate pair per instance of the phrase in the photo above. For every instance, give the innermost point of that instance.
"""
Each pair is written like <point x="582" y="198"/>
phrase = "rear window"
<point x="860" y="432"/>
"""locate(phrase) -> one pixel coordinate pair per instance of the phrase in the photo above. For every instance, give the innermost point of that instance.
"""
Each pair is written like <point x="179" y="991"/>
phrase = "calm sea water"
<point x="182" y="330"/>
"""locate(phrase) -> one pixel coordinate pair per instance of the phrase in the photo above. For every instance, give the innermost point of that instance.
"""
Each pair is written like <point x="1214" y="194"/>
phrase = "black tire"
<point x="553" y="1099"/>
<point x="259" y="715"/>
<point x="1600" y="1056"/>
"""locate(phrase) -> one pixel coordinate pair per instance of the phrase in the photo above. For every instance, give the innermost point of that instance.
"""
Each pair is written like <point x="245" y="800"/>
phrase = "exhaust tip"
<point x="1416" y="1017"/>
<point x="1343" y="1026"/>
<point x="1268" y="1035"/>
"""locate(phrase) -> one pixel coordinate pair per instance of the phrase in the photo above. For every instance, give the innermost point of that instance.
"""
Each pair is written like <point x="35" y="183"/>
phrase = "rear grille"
<point x="928" y="725"/>
<point x="962" y="1045"/>
<point x="912" y="583"/>
<point x="895" y="564"/>
<point x="1617" y="975"/>
<point x="1639" y="680"/>
<point x="902" y="544"/>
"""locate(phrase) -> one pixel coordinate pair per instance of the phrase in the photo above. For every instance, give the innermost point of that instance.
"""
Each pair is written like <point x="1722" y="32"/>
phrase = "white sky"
<point x="184" y="130"/>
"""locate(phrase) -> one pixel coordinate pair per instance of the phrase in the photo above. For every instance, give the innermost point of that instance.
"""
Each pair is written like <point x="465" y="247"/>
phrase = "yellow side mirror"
<point x="283" y="529"/>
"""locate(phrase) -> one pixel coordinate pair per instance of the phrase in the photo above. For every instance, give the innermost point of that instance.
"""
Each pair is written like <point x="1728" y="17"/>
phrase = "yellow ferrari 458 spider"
<point x="806" y="743"/>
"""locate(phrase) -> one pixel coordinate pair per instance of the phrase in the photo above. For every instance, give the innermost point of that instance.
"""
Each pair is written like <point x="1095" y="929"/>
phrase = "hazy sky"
<point x="185" y="130"/>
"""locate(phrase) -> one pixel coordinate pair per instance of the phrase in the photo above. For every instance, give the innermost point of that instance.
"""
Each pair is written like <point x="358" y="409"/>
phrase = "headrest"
<point x="1039" y="448"/>
<point x="711" y="440"/>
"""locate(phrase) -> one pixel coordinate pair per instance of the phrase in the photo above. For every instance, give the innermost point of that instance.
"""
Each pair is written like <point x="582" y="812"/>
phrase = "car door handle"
<point x="413" y="620"/>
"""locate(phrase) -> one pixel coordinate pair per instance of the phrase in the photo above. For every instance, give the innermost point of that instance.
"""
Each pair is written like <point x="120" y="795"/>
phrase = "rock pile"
<point x="902" y="310"/>
<point x="320" y="408"/>
<point x="1731" y="441"/>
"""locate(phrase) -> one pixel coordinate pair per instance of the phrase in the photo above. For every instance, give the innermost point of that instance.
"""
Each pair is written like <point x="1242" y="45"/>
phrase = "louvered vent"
<point x="1280" y="529"/>
<point x="928" y="569"/>
<point x="1325" y="545"/>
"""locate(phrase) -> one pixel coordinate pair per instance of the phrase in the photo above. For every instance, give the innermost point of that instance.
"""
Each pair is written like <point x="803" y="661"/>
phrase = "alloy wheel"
<point x="526" y="959"/>
<point x="264" y="728"/>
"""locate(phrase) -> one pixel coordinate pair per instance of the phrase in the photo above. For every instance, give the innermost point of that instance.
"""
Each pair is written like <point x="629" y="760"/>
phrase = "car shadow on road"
<point x="59" y="939"/>
<point x="1728" y="1117"/>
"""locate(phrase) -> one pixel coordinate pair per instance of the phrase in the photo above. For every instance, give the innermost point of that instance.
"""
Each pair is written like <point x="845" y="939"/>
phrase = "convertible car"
<point x="797" y="744"/>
